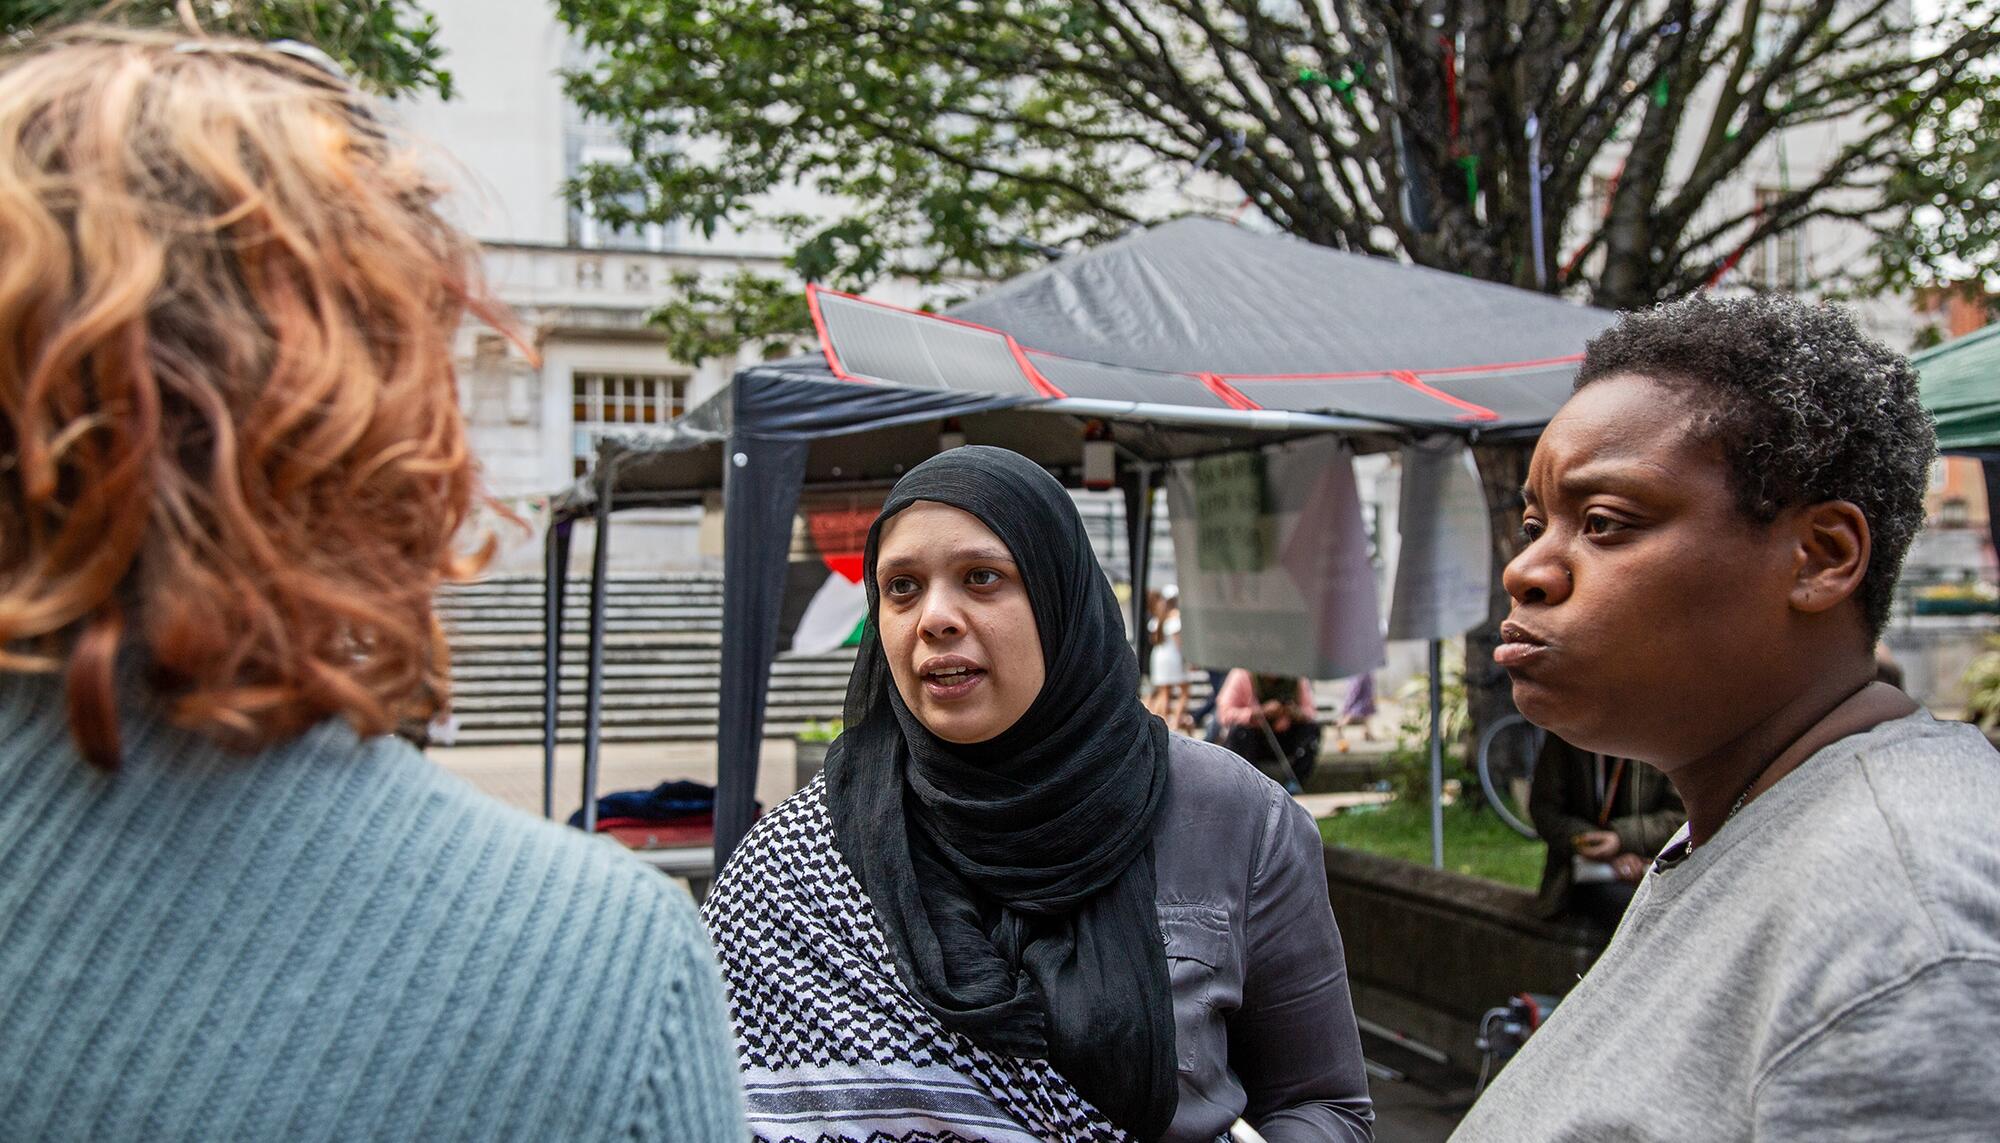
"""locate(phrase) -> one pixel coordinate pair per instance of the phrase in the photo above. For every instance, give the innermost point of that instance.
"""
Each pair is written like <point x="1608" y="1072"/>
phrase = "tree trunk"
<point x="1489" y="694"/>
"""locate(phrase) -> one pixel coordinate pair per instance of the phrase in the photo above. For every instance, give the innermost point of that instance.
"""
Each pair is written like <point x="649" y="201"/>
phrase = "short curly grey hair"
<point x="1806" y="407"/>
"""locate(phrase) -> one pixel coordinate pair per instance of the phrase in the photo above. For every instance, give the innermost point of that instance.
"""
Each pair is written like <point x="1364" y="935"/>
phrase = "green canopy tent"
<point x="1961" y="388"/>
<point x="1960" y="382"/>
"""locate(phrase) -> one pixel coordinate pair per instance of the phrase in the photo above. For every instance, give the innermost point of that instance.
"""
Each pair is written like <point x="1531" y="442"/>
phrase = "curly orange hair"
<point x="231" y="457"/>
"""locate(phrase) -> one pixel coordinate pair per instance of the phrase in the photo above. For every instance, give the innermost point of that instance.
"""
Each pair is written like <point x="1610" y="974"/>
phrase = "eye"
<point x="1531" y="530"/>
<point x="982" y="577"/>
<point x="1600" y="524"/>
<point x="898" y="586"/>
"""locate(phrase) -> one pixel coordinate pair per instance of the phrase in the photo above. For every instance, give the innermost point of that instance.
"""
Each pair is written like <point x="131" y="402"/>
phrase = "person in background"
<point x="1356" y="710"/>
<point x="1202" y="718"/>
<point x="1603" y="819"/>
<point x="1168" y="667"/>
<point x="232" y="905"/>
<point x="1270" y="719"/>
<point x="1715" y="523"/>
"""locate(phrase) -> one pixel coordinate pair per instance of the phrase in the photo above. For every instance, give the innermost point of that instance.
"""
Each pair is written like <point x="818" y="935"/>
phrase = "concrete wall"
<point x="1429" y="951"/>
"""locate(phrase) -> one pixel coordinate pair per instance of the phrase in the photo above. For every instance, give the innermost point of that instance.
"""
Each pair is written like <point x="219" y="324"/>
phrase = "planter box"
<point x="810" y="760"/>
<point x="1428" y="952"/>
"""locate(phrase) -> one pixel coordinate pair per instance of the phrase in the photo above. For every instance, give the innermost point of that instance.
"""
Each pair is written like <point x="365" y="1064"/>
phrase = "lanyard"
<point x="1605" y="793"/>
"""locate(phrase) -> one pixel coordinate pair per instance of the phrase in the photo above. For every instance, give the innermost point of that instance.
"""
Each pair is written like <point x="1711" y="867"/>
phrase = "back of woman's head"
<point x="230" y="450"/>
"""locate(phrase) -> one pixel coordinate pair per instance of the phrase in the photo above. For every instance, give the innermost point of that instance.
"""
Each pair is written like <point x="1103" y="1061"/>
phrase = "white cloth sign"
<point x="1445" y="569"/>
<point x="1273" y="562"/>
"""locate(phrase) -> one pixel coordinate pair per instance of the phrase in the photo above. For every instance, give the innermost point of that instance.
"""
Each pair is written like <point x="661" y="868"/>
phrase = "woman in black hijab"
<point x="1016" y="907"/>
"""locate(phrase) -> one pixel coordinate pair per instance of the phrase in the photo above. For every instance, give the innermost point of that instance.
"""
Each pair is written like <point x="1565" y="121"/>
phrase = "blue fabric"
<point x="666" y="802"/>
<point x="330" y="940"/>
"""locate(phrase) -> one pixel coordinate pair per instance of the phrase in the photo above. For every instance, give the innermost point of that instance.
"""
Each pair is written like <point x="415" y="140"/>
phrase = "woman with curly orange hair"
<point x="232" y="475"/>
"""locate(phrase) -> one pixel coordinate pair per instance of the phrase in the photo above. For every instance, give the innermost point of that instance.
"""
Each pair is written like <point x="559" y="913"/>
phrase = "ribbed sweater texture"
<point x="331" y="940"/>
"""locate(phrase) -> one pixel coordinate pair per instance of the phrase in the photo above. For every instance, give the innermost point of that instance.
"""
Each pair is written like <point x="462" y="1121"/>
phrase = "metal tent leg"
<point x="555" y="576"/>
<point x="593" y="701"/>
<point x="1139" y="529"/>
<point x="1437" y="754"/>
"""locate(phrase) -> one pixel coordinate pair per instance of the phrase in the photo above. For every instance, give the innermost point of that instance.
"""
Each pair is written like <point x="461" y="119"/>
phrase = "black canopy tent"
<point x="1184" y="340"/>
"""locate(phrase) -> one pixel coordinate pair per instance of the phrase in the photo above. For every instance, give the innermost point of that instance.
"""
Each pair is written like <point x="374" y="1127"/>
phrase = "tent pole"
<point x="593" y="694"/>
<point x="1139" y="532"/>
<point x="1989" y="468"/>
<point x="555" y="579"/>
<point x="1437" y="754"/>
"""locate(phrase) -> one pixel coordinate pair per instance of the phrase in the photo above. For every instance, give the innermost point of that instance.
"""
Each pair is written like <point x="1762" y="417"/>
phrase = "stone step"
<point x="648" y="703"/>
<point x="662" y="661"/>
<point x="502" y="673"/>
<point x="668" y="690"/>
<point x="571" y="735"/>
<point x="577" y="642"/>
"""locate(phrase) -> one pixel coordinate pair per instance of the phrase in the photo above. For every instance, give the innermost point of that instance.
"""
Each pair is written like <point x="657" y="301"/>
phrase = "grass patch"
<point x="1475" y="842"/>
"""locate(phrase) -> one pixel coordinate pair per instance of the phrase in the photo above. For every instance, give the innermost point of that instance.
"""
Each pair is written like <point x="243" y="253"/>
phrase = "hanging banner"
<point x="824" y="601"/>
<point x="1444" y="569"/>
<point x="1273" y="562"/>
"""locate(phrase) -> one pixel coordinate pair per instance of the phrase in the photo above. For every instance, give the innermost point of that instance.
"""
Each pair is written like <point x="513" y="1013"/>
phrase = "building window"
<point x="620" y="402"/>
<point x="592" y="233"/>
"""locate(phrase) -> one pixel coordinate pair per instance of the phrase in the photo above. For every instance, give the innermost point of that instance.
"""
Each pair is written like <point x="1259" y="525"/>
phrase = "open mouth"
<point x="952" y="681"/>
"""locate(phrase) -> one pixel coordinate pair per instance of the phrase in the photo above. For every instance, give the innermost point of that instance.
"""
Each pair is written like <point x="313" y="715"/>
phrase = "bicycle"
<point x="1515" y="770"/>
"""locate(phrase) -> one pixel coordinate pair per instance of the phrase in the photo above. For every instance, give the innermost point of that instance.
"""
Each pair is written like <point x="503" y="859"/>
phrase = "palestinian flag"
<point x="825" y="604"/>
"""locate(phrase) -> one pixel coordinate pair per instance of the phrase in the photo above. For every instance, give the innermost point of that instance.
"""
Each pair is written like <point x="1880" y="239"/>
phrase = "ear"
<point x="1832" y="555"/>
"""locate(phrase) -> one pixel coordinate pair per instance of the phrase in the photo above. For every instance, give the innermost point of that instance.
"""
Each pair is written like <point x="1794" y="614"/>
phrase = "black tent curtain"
<point x="760" y="492"/>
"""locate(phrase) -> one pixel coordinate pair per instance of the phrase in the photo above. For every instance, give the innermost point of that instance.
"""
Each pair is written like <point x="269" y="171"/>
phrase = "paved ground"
<point x="1406" y="1113"/>
<point x="514" y="773"/>
<point x="1422" y="1105"/>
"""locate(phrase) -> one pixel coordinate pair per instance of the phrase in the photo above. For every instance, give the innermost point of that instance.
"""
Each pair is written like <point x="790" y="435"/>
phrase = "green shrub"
<point x="817" y="731"/>
<point x="1409" y="763"/>
<point x="1982" y="687"/>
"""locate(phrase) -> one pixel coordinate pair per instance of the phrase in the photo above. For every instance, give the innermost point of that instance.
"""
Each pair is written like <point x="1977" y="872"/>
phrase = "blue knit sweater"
<point x="331" y="940"/>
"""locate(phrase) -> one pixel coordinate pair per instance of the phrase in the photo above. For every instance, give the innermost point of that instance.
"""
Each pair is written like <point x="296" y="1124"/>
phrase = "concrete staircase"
<point x="662" y="652"/>
<point x="662" y="655"/>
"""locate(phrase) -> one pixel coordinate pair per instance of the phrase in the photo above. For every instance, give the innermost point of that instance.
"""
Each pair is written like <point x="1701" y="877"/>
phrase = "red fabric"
<point x="636" y="833"/>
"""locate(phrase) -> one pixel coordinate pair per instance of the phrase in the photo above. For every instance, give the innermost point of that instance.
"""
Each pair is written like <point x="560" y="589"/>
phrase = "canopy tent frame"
<point x="763" y="478"/>
<point x="873" y="400"/>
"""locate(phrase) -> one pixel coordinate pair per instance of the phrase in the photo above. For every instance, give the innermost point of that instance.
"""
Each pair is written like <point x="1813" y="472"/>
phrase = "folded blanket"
<point x="666" y="802"/>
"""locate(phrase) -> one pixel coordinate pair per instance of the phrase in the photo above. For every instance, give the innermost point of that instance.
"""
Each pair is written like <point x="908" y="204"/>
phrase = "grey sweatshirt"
<point x="1827" y="967"/>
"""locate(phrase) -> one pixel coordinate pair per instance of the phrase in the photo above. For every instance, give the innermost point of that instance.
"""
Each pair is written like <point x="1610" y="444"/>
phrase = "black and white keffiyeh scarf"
<point x="834" y="1048"/>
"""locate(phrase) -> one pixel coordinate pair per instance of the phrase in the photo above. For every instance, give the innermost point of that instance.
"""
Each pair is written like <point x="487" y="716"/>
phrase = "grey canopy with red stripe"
<point x="1202" y="314"/>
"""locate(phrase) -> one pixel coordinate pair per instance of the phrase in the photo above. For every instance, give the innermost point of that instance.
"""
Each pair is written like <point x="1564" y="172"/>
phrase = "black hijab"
<point x="1013" y="878"/>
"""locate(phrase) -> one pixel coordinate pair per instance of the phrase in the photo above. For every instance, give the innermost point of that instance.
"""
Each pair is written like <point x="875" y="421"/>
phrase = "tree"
<point x="948" y="131"/>
<point x="1583" y="147"/>
<point x="388" y="46"/>
<point x="1941" y="226"/>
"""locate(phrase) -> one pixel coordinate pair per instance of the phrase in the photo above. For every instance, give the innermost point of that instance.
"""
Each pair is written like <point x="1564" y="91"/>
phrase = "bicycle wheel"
<point x="1498" y="775"/>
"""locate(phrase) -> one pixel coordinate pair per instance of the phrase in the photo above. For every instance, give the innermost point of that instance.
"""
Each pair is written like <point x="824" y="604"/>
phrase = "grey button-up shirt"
<point x="1263" y="1023"/>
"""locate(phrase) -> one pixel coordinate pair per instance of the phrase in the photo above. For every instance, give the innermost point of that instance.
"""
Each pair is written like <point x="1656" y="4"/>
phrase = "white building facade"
<point x="509" y="139"/>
